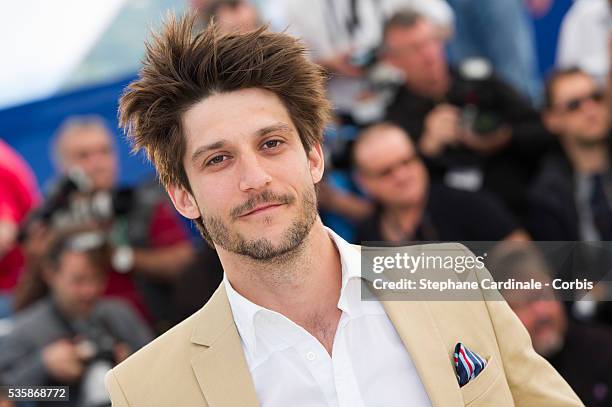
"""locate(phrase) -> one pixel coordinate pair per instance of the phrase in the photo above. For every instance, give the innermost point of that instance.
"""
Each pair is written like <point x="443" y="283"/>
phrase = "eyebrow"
<point x="264" y="131"/>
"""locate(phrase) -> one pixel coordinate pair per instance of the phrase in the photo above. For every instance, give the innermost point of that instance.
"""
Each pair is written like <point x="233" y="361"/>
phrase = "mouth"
<point x="261" y="209"/>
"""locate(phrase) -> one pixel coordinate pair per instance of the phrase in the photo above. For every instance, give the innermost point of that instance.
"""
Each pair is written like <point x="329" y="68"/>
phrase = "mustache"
<point x="544" y="322"/>
<point x="266" y="197"/>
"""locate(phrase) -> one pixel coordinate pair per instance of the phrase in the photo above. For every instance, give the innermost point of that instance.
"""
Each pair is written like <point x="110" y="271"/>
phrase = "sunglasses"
<point x="387" y="171"/>
<point x="575" y="104"/>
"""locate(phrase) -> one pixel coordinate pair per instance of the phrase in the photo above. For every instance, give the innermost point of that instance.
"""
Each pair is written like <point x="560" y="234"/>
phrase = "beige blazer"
<point x="200" y="362"/>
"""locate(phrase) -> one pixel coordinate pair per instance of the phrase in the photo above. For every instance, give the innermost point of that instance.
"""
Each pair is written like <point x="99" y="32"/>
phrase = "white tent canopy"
<point x="41" y="42"/>
<point x="48" y="46"/>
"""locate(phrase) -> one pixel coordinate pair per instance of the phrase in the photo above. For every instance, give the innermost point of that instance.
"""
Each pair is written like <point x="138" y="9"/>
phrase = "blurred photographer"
<point x="343" y="36"/>
<point x="72" y="336"/>
<point x="570" y="197"/>
<point x="150" y="247"/>
<point x="475" y="131"/>
<point x="230" y="15"/>
<point x="409" y="207"/>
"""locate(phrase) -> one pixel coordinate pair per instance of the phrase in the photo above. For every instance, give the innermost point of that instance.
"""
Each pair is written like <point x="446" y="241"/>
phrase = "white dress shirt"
<point x="369" y="365"/>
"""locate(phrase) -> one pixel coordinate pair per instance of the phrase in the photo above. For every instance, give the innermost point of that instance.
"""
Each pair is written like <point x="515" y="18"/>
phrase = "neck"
<point x="303" y="285"/>
<point x="402" y="221"/>
<point x="588" y="158"/>
<point x="65" y="311"/>
<point x="434" y="89"/>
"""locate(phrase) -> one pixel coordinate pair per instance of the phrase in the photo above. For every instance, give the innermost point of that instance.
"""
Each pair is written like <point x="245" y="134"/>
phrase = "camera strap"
<point x="352" y="21"/>
<point x="347" y="22"/>
<point x="62" y="319"/>
<point x="71" y="326"/>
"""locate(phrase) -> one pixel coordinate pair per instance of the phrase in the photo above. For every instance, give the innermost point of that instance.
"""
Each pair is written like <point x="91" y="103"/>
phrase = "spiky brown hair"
<point x="181" y="67"/>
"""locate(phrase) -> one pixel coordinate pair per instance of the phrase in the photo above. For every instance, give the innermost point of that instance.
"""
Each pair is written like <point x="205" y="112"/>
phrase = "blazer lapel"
<point x="220" y="366"/>
<point x="416" y="327"/>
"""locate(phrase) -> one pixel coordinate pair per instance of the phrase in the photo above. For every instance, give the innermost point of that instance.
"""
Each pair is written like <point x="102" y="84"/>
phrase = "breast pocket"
<point x="487" y="388"/>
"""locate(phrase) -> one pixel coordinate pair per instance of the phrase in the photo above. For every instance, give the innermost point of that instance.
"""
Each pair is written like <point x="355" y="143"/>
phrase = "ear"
<point x="183" y="201"/>
<point x="316" y="162"/>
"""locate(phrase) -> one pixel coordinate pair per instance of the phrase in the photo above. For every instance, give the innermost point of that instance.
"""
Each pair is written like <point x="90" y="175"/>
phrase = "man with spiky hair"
<point x="233" y="124"/>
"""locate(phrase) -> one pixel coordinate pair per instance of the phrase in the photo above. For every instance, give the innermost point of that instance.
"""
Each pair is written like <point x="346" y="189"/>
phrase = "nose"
<point x="540" y="308"/>
<point x="92" y="163"/>
<point x="253" y="175"/>
<point x="400" y="172"/>
<point x="431" y="51"/>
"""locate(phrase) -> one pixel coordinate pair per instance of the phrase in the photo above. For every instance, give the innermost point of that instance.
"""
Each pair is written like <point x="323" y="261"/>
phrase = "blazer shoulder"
<point x="159" y="372"/>
<point x="169" y="370"/>
<point x="178" y="345"/>
<point x="176" y="340"/>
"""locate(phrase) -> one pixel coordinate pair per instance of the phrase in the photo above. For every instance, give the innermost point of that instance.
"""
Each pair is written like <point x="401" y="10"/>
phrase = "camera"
<point x="364" y="59"/>
<point x="480" y="110"/>
<point x="72" y="203"/>
<point x="96" y="343"/>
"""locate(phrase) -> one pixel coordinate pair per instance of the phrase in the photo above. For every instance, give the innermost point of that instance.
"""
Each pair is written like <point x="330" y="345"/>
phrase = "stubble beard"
<point x="262" y="249"/>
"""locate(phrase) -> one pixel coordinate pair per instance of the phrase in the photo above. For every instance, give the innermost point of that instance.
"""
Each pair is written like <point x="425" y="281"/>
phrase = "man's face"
<point x="253" y="183"/>
<point x="198" y="4"/>
<point x="76" y="283"/>
<point x="418" y="51"/>
<point x="578" y="112"/>
<point x="92" y="150"/>
<point x="389" y="169"/>
<point x="545" y="321"/>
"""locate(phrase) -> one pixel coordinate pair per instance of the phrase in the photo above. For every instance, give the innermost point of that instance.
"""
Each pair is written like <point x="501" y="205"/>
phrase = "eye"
<point x="218" y="159"/>
<point x="272" y="144"/>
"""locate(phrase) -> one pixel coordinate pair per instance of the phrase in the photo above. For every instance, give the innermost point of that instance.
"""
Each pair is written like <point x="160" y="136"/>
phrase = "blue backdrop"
<point x="547" y="33"/>
<point x="30" y="128"/>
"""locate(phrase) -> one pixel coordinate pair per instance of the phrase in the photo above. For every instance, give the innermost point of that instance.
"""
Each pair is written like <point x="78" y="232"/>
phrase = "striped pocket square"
<point x="468" y="364"/>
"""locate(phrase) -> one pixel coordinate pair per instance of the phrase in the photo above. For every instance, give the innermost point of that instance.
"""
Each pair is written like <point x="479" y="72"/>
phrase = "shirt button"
<point x="311" y="356"/>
